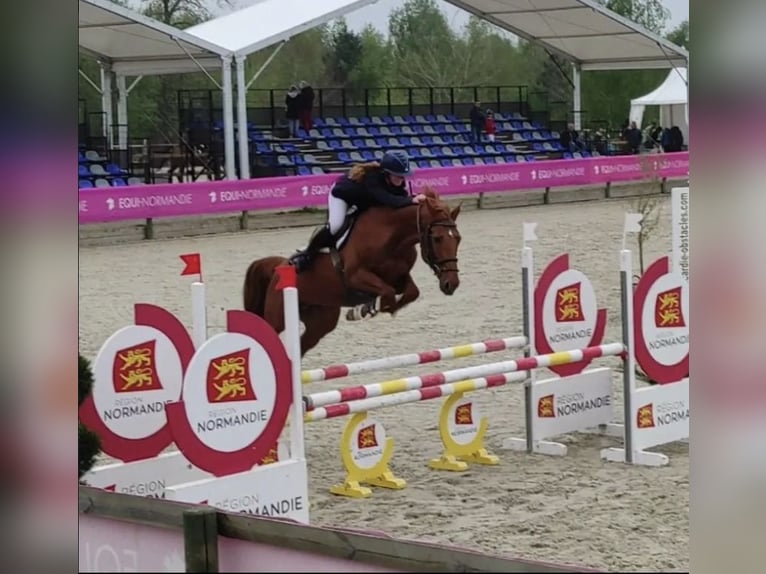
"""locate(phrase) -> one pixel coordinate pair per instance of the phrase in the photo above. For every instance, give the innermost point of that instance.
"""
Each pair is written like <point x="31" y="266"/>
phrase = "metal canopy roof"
<point x="583" y="31"/>
<point x="137" y="45"/>
<point x="270" y="22"/>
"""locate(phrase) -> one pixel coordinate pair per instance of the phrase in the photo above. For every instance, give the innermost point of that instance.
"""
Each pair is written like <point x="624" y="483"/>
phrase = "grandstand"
<point x="432" y="139"/>
<point x="440" y="140"/>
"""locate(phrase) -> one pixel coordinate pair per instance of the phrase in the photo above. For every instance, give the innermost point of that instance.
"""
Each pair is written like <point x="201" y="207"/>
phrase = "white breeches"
<point x="337" y="209"/>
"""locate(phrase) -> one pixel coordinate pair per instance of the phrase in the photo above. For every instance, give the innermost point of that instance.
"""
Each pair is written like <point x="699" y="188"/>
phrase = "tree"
<point x="680" y="35"/>
<point x="344" y="50"/>
<point x="651" y="14"/>
<point x="606" y="95"/>
<point x="180" y="13"/>
<point x="88" y="442"/>
<point x="375" y="66"/>
<point x="423" y="44"/>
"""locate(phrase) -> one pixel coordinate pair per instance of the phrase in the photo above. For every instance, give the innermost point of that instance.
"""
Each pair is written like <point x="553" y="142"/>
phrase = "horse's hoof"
<point x="361" y="312"/>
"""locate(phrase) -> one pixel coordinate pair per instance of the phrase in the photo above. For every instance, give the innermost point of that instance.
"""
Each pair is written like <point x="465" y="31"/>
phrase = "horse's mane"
<point x="358" y="171"/>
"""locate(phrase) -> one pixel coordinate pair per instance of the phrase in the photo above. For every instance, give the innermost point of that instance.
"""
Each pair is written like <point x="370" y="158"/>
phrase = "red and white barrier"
<point x="413" y="396"/>
<point x="410" y="359"/>
<point x="316" y="400"/>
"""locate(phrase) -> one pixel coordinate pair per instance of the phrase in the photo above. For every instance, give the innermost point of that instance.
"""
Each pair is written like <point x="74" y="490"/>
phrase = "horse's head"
<point x="439" y="240"/>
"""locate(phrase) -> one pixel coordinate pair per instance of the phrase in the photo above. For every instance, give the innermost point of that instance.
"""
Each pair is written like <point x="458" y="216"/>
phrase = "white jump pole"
<point x="292" y="342"/>
<point x="199" y="314"/>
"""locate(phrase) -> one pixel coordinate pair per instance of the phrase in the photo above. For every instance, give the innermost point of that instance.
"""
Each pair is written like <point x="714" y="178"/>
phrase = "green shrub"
<point x="89" y="444"/>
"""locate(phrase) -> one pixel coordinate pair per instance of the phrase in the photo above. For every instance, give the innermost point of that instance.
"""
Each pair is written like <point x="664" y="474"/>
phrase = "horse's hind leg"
<point x="319" y="321"/>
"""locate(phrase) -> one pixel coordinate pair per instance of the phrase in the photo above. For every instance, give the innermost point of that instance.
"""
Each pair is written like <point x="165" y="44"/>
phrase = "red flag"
<point x="285" y="277"/>
<point x="193" y="264"/>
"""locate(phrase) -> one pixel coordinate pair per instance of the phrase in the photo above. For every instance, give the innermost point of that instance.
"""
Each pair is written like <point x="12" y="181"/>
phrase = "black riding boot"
<point x="305" y="258"/>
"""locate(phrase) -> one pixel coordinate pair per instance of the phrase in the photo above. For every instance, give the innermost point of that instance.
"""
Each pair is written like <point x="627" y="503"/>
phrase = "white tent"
<point x="672" y="96"/>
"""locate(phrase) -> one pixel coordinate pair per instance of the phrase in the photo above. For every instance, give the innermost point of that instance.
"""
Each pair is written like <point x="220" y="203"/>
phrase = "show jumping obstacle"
<point x="410" y="359"/>
<point x="226" y="414"/>
<point x="424" y="381"/>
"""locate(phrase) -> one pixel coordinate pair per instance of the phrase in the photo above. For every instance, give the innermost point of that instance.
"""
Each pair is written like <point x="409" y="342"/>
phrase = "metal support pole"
<point x="106" y="102"/>
<point x="228" y="119"/>
<point x="242" y="132"/>
<point x="122" y="113"/>
<point x="576" y="77"/>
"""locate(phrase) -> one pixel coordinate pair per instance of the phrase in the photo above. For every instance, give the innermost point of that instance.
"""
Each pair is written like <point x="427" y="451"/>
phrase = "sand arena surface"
<point x="575" y="509"/>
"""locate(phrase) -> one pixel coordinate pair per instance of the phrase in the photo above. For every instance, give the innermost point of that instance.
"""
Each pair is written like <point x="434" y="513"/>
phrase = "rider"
<point x="366" y="185"/>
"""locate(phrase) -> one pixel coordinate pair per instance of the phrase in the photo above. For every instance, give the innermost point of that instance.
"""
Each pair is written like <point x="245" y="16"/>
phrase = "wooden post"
<point x="149" y="229"/>
<point x="608" y="190"/>
<point x="547" y="196"/>
<point x="201" y="540"/>
<point x="243" y="221"/>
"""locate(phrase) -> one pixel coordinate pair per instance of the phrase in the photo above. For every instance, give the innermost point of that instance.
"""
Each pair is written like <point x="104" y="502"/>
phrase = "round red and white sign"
<point x="566" y="315"/>
<point x="137" y="371"/>
<point x="661" y="315"/>
<point x="220" y="397"/>
<point x="237" y="393"/>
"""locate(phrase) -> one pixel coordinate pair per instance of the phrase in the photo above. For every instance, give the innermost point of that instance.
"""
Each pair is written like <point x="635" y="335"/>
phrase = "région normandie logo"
<point x="134" y="369"/>
<point x="568" y="304"/>
<point x="645" y="416"/>
<point x="667" y="309"/>
<point x="366" y="438"/>
<point x="271" y="457"/>
<point x="228" y="378"/>
<point x="545" y="407"/>
<point x="464" y="414"/>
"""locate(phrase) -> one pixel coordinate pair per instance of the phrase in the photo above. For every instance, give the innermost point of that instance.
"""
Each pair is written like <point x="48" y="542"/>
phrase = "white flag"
<point x="529" y="232"/>
<point x="633" y="222"/>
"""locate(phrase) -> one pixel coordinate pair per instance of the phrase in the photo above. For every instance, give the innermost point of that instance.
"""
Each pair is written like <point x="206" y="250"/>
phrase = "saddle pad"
<point x="348" y="225"/>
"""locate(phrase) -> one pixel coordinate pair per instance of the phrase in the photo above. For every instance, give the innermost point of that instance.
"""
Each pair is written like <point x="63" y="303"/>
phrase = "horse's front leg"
<point x="408" y="294"/>
<point x="368" y="282"/>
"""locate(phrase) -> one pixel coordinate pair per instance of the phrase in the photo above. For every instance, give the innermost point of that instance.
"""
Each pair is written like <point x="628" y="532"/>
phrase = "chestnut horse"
<point x="370" y="273"/>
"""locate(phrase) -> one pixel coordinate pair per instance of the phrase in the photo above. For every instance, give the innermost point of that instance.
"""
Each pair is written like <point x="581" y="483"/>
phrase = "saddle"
<point x="353" y="297"/>
<point x="343" y="233"/>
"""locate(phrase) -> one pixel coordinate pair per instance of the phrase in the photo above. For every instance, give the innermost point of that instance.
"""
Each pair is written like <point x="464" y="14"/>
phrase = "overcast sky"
<point x="377" y="14"/>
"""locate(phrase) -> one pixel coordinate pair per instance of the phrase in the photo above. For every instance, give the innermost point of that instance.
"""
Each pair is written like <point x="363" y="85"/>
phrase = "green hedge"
<point x="89" y="445"/>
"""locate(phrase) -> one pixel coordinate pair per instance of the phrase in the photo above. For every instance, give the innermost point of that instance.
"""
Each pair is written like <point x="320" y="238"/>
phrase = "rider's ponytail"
<point x="359" y="170"/>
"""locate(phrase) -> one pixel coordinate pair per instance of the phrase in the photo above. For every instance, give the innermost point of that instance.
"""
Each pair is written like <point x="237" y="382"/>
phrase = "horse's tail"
<point x="257" y="281"/>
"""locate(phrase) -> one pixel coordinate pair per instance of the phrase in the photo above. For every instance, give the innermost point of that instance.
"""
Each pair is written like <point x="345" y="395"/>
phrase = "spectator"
<point x="624" y="129"/>
<point x="675" y="140"/>
<point x="307" y="103"/>
<point x="477" y="122"/>
<point x="600" y="142"/>
<point x="569" y="138"/>
<point x="657" y="134"/>
<point x="646" y="137"/>
<point x="634" y="138"/>
<point x="665" y="141"/>
<point x="292" y="110"/>
<point x="489" y="125"/>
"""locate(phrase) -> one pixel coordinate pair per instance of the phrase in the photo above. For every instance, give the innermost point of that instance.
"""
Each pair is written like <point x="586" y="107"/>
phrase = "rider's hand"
<point x="418" y="198"/>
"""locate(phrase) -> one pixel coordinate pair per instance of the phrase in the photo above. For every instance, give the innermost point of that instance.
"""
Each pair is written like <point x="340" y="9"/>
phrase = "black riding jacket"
<point x="373" y="190"/>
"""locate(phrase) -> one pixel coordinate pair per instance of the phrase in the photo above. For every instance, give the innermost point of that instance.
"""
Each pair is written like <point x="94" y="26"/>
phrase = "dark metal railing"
<point x="266" y="107"/>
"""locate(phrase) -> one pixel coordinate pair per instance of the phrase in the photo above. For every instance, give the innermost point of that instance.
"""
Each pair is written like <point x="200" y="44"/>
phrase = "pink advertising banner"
<point x="108" y="545"/>
<point x="102" y="205"/>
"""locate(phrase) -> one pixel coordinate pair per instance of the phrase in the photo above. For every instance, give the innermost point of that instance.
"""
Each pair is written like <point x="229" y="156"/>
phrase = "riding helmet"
<point x="396" y="162"/>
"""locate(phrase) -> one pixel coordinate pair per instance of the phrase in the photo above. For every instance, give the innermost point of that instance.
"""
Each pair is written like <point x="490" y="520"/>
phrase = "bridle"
<point x="427" y="251"/>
